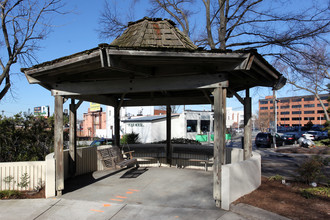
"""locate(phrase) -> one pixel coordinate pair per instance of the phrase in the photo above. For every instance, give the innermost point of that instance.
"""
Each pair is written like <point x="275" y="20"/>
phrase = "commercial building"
<point x="94" y="124"/>
<point x="188" y="124"/>
<point x="294" y="111"/>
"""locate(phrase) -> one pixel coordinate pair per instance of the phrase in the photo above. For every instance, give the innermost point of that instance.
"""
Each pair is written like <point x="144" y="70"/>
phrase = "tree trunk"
<point x="223" y="25"/>
<point x="209" y="24"/>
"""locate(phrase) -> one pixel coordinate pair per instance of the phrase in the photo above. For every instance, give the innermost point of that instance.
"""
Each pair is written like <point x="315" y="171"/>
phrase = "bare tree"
<point x="263" y="121"/>
<point x="309" y="72"/>
<point x="23" y="24"/>
<point x="174" y="108"/>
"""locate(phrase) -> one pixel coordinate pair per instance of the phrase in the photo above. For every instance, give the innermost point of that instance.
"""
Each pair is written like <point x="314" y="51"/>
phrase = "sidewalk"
<point x="151" y="193"/>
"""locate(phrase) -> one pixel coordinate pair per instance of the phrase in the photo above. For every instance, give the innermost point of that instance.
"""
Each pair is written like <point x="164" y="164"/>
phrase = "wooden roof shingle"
<point x="153" y="33"/>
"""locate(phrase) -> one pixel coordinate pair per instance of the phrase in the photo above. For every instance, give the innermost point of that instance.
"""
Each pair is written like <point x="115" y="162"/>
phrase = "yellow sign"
<point x="94" y="107"/>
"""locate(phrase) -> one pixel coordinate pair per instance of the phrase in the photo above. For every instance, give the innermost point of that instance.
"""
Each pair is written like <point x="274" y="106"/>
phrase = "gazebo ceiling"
<point x="158" y="73"/>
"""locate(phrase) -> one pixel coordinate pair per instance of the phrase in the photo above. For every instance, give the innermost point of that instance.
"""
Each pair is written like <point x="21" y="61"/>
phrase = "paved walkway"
<point x="146" y="193"/>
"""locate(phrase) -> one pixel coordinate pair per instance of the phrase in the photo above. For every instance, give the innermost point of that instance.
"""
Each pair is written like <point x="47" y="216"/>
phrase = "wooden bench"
<point x="112" y="158"/>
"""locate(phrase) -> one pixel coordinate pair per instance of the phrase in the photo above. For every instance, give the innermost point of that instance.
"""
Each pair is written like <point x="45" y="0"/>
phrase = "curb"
<point x="252" y="212"/>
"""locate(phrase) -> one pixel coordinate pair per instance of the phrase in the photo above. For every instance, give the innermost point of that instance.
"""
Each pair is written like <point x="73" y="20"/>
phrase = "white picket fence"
<point x="15" y="171"/>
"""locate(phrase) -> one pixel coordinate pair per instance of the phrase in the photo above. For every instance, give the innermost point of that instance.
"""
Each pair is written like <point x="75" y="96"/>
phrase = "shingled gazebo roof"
<point x="153" y="33"/>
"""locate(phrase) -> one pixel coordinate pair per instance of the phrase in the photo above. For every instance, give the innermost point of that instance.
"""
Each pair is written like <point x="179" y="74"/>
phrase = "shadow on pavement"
<point x="81" y="181"/>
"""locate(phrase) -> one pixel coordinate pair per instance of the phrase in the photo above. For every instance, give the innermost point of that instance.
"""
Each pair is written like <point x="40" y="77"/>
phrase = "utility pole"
<point x="275" y="118"/>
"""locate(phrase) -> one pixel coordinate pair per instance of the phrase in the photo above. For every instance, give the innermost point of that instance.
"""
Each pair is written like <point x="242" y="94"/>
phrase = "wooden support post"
<point x="58" y="144"/>
<point x="168" y="135"/>
<point x="72" y="137"/>
<point x="117" y="125"/>
<point x="247" y="126"/>
<point x="219" y="140"/>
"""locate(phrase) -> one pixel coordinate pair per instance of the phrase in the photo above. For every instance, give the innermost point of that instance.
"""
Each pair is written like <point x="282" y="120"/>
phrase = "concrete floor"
<point x="145" y="193"/>
<point x="166" y="187"/>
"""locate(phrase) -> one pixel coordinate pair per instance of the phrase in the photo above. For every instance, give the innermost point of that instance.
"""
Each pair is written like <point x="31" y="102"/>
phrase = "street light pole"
<point x="275" y="118"/>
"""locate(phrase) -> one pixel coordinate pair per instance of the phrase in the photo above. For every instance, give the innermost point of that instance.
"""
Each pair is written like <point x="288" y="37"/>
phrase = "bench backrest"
<point x="110" y="152"/>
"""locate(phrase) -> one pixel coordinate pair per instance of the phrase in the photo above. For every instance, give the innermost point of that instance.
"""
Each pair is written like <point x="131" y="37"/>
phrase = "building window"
<point x="320" y="118"/>
<point x="284" y="100"/>
<point x="325" y="104"/>
<point x="285" y="106"/>
<point x="320" y="112"/>
<point x="324" y="97"/>
<point x="205" y="125"/>
<point x="271" y="101"/>
<point x="285" y="113"/>
<point x="263" y="108"/>
<point x="296" y="106"/>
<point x="263" y="102"/>
<point x="285" y="119"/>
<point x="309" y="106"/>
<point x="191" y="125"/>
<point x="296" y="112"/>
<point x="309" y="98"/>
<point x="309" y="112"/>
<point x="309" y="118"/>
<point x="296" y="119"/>
<point x="296" y="100"/>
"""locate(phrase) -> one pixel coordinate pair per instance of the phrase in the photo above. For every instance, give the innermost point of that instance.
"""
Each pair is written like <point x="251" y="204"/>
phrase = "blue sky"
<point x="76" y="32"/>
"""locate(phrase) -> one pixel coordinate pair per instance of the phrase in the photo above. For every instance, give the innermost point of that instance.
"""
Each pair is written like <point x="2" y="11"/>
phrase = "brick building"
<point x="294" y="111"/>
<point x="94" y="124"/>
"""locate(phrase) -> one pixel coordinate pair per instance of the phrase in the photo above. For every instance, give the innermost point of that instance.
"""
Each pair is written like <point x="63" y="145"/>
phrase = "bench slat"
<point x="111" y="158"/>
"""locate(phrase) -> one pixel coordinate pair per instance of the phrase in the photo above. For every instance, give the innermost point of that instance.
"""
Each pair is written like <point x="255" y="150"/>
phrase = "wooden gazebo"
<point x="153" y="63"/>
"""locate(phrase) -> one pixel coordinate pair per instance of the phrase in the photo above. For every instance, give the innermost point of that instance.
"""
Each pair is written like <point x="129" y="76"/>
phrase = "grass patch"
<point x="276" y="178"/>
<point x="314" y="192"/>
<point x="10" y="194"/>
<point x="324" y="142"/>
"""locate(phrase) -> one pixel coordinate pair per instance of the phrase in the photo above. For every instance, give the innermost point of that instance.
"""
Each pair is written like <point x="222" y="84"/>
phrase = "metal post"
<point x="275" y="116"/>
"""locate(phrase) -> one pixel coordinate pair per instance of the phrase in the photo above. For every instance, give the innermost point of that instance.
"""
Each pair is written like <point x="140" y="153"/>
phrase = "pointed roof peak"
<point x="153" y="33"/>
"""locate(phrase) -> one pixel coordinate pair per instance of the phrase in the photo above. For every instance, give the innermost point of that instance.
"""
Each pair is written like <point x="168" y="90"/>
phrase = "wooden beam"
<point x="219" y="140"/>
<point x="247" y="126"/>
<point x="170" y="54"/>
<point x="121" y="101"/>
<point x="58" y="145"/>
<point x="117" y="125"/>
<point x="101" y="99"/>
<point x="236" y="95"/>
<point x="149" y="101"/>
<point x="62" y="63"/>
<point x="168" y="135"/>
<point x="207" y="96"/>
<point x="73" y="136"/>
<point x="140" y="85"/>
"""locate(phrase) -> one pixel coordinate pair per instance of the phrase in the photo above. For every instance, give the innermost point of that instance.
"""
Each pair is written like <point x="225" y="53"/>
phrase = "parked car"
<point x="266" y="139"/>
<point x="289" y="138"/>
<point x="313" y="135"/>
<point x="324" y="134"/>
<point x="102" y="141"/>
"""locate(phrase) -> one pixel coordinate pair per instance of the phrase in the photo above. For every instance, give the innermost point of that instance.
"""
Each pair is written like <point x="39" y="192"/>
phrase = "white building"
<point x="234" y="118"/>
<point x="125" y="113"/>
<point x="188" y="124"/>
<point x="152" y="128"/>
